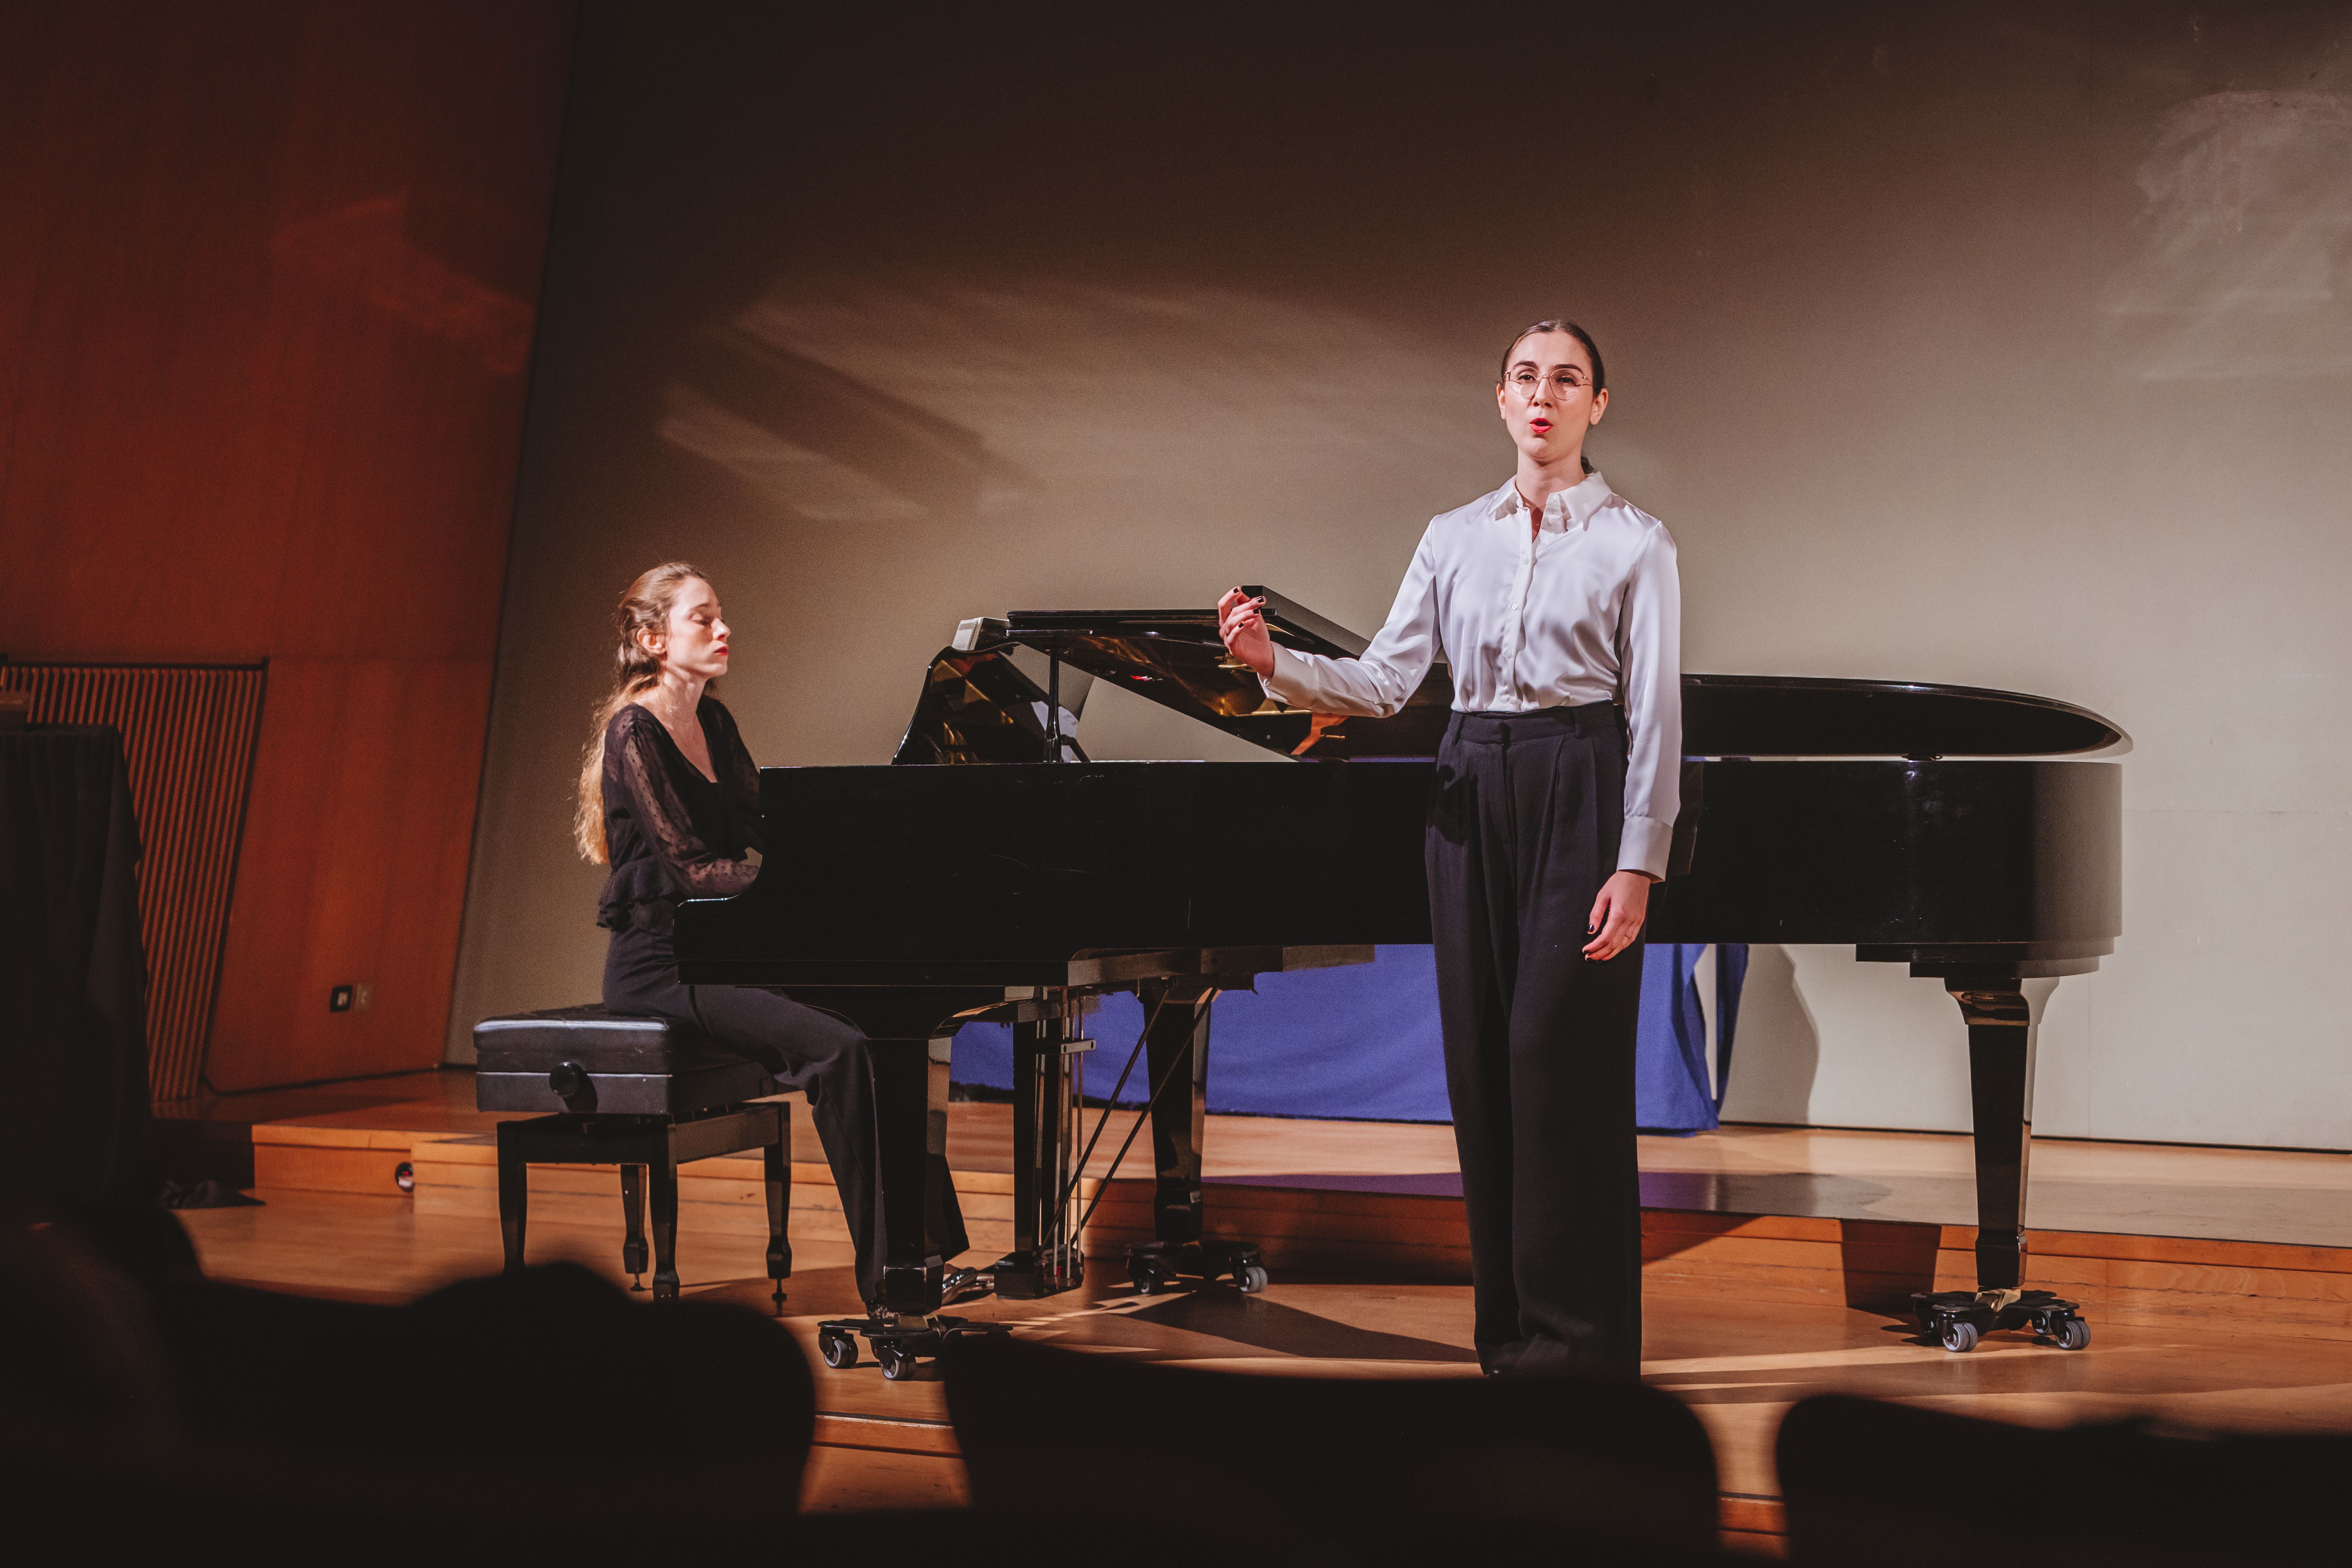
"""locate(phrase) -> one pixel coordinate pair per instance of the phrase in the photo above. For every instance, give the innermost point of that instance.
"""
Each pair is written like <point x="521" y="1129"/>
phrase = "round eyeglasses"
<point x="1562" y="385"/>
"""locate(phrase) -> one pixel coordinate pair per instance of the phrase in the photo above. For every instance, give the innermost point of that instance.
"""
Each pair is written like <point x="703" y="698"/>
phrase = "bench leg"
<point x="514" y="1196"/>
<point x="664" y="1171"/>
<point x="632" y="1213"/>
<point x="777" y="1163"/>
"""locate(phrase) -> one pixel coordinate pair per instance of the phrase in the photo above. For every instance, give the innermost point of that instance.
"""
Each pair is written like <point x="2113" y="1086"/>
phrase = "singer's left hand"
<point x="1617" y="915"/>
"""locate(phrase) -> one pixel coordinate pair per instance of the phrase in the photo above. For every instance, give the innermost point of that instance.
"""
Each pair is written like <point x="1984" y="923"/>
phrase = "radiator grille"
<point x="189" y="730"/>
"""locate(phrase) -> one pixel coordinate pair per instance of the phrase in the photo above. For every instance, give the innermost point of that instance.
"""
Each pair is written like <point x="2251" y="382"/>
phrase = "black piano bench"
<point x="641" y="1093"/>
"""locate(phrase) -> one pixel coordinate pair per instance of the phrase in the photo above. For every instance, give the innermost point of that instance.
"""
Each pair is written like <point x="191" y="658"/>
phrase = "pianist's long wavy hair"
<point x="645" y="607"/>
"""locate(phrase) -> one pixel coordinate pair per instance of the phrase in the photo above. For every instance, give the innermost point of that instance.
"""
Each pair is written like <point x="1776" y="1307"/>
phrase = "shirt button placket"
<point x="1520" y="628"/>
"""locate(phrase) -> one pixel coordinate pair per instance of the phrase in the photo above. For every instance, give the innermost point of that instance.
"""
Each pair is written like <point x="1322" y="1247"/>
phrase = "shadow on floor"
<point x="1280" y="1330"/>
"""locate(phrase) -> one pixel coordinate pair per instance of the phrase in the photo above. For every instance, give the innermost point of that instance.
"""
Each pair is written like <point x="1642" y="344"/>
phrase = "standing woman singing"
<point x="1555" y="603"/>
<point x="669" y="798"/>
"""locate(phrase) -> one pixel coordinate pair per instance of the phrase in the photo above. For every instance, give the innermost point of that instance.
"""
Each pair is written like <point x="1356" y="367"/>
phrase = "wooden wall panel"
<point x="353" y="872"/>
<point x="268" y="291"/>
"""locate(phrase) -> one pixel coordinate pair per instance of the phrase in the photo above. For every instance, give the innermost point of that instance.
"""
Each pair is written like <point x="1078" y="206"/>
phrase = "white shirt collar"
<point x="1571" y="507"/>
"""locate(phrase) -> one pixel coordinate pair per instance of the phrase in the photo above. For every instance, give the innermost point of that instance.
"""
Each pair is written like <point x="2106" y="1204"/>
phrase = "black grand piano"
<point x="993" y="871"/>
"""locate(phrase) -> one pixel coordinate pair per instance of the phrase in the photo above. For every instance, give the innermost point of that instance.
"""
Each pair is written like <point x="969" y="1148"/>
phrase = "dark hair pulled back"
<point x="1558" y="324"/>
<point x="1591" y="349"/>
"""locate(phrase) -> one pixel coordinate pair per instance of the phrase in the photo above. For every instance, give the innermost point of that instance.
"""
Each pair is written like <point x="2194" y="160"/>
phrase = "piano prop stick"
<point x="1952" y="829"/>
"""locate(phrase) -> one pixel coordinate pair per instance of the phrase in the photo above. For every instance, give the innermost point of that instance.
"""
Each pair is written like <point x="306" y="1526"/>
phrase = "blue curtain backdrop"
<point x="1360" y="1043"/>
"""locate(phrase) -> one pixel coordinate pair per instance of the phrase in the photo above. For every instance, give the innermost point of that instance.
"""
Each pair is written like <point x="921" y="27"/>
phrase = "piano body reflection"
<point x="993" y="871"/>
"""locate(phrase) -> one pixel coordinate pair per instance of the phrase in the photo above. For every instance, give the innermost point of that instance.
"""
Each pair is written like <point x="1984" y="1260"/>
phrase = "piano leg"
<point x="917" y="1204"/>
<point x="1176" y="1042"/>
<point x="1176" y="1045"/>
<point x="1047" y="1256"/>
<point x="911" y="1109"/>
<point x="2001" y="1027"/>
<point x="633" y="1218"/>
<point x="2002" y="1017"/>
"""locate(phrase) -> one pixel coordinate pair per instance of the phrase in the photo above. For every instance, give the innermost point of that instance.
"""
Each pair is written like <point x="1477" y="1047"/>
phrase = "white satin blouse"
<point x="1584" y="607"/>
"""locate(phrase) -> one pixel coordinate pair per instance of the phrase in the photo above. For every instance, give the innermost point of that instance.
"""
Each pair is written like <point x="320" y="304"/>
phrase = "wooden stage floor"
<point x="2291" y="1196"/>
<point x="1740" y="1352"/>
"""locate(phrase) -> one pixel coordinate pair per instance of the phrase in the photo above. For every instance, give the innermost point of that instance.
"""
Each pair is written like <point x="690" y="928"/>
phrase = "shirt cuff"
<point x="1645" y="845"/>
<point x="1280" y="685"/>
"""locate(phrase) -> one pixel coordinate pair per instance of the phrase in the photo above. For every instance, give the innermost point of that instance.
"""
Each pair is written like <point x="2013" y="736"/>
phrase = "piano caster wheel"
<point x="1250" y="1279"/>
<point x="2073" y="1335"/>
<point x="898" y="1366"/>
<point x="1960" y="1336"/>
<point x="1148" y="1281"/>
<point x="839" y="1351"/>
<point x="637" y="1282"/>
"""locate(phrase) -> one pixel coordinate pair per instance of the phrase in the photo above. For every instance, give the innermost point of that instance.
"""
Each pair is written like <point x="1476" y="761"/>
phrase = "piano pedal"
<point x="1958" y="1319"/>
<point x="959" y="1283"/>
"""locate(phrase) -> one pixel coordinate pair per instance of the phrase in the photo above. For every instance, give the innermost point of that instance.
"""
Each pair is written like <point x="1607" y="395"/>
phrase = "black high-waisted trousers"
<point x="806" y="1048"/>
<point x="1523" y="829"/>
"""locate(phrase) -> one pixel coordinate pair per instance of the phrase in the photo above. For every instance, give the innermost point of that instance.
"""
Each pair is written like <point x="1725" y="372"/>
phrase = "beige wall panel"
<point x="1995" y="345"/>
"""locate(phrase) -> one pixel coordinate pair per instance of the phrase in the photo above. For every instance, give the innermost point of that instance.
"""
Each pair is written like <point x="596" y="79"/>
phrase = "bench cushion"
<point x="631" y="1066"/>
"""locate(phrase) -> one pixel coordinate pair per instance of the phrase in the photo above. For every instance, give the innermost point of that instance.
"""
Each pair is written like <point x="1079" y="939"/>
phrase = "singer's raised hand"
<point x="1243" y="627"/>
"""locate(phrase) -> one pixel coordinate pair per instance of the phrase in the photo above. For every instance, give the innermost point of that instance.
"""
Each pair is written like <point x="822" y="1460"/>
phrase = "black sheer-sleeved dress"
<point x="671" y="834"/>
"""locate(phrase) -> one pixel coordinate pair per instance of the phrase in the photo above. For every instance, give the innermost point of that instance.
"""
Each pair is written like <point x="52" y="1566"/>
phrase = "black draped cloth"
<point x="73" y="973"/>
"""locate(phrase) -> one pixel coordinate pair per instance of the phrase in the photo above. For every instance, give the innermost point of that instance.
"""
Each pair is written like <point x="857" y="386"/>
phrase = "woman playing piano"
<point x="1555" y="602"/>
<point x="670" y="799"/>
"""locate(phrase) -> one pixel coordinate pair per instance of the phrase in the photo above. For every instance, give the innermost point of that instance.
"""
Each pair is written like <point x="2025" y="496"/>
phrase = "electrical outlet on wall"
<point x="338" y="998"/>
<point x="362" y="996"/>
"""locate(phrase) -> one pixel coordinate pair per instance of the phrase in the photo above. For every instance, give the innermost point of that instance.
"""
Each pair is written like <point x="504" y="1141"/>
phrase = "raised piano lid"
<point x="981" y="705"/>
<point x="1174" y="657"/>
